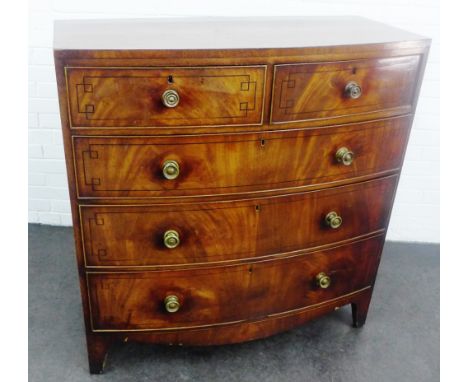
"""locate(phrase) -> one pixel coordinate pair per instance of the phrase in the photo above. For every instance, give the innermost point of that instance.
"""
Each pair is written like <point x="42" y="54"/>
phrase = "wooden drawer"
<point x="226" y="231"/>
<point x="324" y="91"/>
<point x="132" y="97"/>
<point x="216" y="296"/>
<point x="232" y="164"/>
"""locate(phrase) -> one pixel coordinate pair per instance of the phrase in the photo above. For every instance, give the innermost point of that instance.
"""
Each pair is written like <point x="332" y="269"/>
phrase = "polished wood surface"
<point x="113" y="97"/>
<point x="232" y="164"/>
<point x="201" y="33"/>
<point x="217" y="232"/>
<point x="317" y="91"/>
<point x="135" y="300"/>
<point x="253" y="194"/>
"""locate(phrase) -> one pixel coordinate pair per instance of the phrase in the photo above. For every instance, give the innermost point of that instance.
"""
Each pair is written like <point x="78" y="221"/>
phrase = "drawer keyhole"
<point x="170" y="79"/>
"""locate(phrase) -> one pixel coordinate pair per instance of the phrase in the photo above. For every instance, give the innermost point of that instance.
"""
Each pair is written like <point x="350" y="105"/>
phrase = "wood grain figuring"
<point x="244" y="330"/>
<point x="128" y="301"/>
<point x="115" y="97"/>
<point x="124" y="236"/>
<point x="263" y="111"/>
<point x="317" y="91"/>
<point x="132" y="167"/>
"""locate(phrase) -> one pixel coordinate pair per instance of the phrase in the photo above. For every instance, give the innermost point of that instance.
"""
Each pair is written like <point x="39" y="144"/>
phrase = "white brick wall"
<point x="416" y="211"/>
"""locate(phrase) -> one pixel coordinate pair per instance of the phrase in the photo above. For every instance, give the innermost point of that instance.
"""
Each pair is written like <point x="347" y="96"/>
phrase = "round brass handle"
<point x="171" y="239"/>
<point x="322" y="280"/>
<point x="172" y="303"/>
<point x="170" y="98"/>
<point x="170" y="169"/>
<point x="345" y="156"/>
<point x="353" y="90"/>
<point x="333" y="220"/>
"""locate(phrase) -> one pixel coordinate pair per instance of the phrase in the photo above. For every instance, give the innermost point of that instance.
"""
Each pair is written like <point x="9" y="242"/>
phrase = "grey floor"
<point x="400" y="341"/>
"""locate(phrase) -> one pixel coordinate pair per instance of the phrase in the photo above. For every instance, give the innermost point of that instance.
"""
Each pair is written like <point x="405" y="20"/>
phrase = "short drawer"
<point x="216" y="296"/>
<point x="360" y="89"/>
<point x="158" y="97"/>
<point x="181" y="234"/>
<point x="234" y="164"/>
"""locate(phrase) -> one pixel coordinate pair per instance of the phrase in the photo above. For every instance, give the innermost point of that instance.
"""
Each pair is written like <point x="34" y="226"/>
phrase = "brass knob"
<point x="170" y="98"/>
<point x="333" y="220"/>
<point x="322" y="280"/>
<point x="170" y="169"/>
<point x="171" y="239"/>
<point x="353" y="90"/>
<point x="345" y="156"/>
<point x="171" y="303"/>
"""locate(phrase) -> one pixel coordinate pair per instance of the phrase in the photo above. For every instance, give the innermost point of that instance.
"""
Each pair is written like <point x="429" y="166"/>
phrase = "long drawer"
<point x="358" y="89"/>
<point x="152" y="97"/>
<point x="216" y="296"/>
<point x="179" y="234"/>
<point x="230" y="164"/>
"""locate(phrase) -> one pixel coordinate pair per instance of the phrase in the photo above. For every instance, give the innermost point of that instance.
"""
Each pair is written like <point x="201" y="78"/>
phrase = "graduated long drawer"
<point x="230" y="164"/>
<point x="181" y="234"/>
<point x="223" y="295"/>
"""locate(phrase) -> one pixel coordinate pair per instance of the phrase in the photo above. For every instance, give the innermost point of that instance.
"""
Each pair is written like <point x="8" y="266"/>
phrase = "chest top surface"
<point x="224" y="33"/>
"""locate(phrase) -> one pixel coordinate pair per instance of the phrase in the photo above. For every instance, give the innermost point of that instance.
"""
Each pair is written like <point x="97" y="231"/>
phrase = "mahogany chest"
<point x="230" y="178"/>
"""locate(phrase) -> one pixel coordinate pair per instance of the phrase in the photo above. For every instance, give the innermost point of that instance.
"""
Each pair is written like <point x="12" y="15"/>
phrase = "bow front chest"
<point x="230" y="178"/>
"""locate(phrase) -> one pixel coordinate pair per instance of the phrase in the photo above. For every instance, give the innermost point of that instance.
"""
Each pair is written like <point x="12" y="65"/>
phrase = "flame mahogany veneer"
<point x="230" y="179"/>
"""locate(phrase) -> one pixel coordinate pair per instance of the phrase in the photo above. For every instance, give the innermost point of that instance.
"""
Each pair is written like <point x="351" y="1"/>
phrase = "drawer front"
<point x="226" y="231"/>
<point x="209" y="165"/>
<point x="354" y="89"/>
<point x="213" y="296"/>
<point x="128" y="97"/>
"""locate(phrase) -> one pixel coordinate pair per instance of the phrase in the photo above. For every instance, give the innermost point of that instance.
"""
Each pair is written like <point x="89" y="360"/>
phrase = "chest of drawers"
<point x="231" y="178"/>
